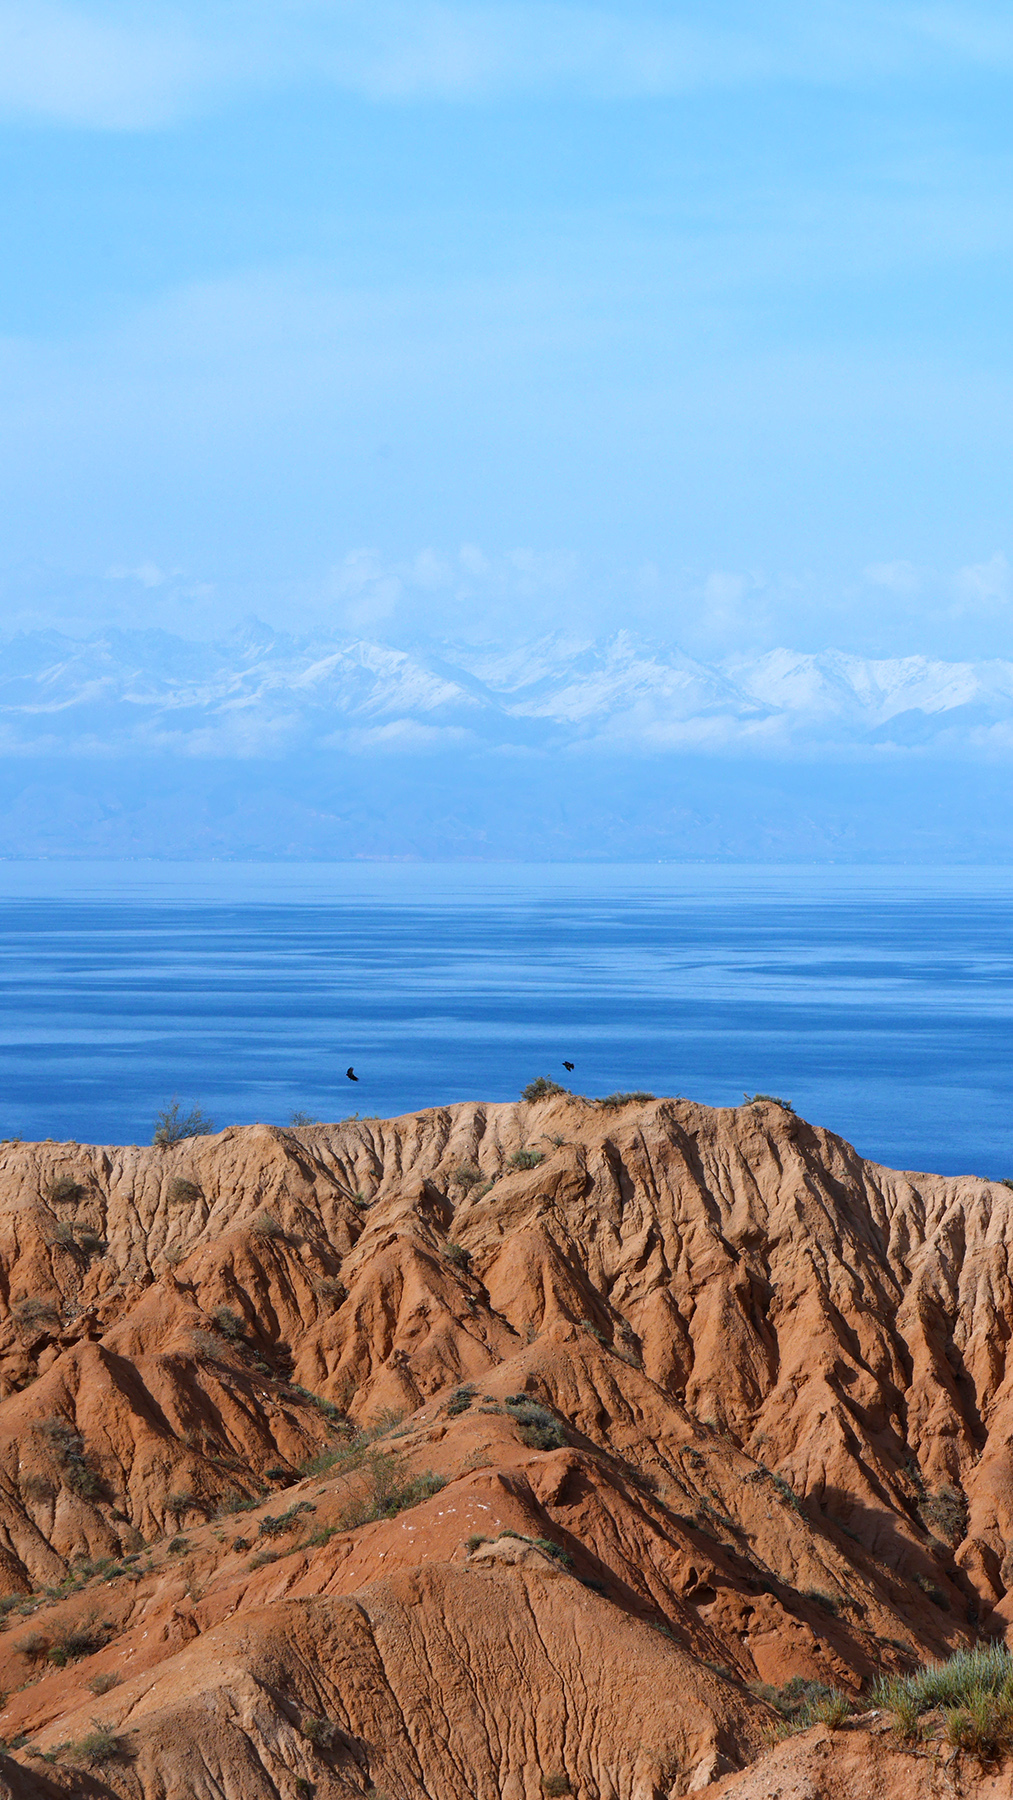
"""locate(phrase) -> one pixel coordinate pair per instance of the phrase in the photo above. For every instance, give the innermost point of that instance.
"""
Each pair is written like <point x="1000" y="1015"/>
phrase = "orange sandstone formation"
<point x="494" y="1451"/>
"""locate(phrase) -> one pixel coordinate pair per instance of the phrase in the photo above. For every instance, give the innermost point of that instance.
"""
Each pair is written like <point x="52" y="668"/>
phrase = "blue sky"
<point x="491" y="317"/>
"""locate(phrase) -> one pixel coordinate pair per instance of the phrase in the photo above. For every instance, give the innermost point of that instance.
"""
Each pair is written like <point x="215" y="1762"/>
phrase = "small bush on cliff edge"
<point x="172" y="1124"/>
<point x="542" y="1088"/>
<point x="614" y="1102"/>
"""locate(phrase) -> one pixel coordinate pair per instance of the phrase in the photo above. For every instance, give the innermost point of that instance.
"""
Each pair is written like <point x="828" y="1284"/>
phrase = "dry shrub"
<point x="38" y="1487"/>
<point x="227" y="1322"/>
<point x="172" y="1124"/>
<point x="330" y="1289"/>
<point x="539" y="1428"/>
<point x="388" y="1491"/>
<point x="70" y="1642"/>
<point x="323" y="1734"/>
<point x="63" y="1190"/>
<point x="67" y="1447"/>
<point x="182" y="1502"/>
<point x="182" y="1192"/>
<point x="946" y="1513"/>
<point x="99" y="1746"/>
<point x="32" y="1312"/>
<point x="265" y="1225"/>
<point x="542" y="1088"/>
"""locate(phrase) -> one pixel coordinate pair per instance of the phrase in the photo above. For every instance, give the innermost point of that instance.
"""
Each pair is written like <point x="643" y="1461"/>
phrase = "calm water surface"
<point x="878" y="1001"/>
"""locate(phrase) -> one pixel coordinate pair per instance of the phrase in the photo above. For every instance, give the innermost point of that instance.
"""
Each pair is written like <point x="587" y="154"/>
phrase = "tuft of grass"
<point x="802" y="1703"/>
<point x="322" y="1535"/>
<point x="771" y="1099"/>
<point x="527" y="1159"/>
<point x="542" y="1088"/>
<point x="786" y="1493"/>
<point x="976" y="1685"/>
<point x="613" y="1102"/>
<point x="458" y="1255"/>
<point x="556" y="1551"/>
<point x="103" y="1683"/>
<point x="177" y="1545"/>
<point x="983" y="1726"/>
<point x="302" y="1118"/>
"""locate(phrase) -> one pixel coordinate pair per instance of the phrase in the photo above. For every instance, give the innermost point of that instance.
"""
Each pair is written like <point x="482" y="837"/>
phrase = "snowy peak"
<point x="260" y="691"/>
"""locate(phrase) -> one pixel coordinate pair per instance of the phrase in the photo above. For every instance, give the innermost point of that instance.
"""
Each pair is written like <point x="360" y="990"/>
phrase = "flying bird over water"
<point x="568" y="1066"/>
<point x="352" y="1076"/>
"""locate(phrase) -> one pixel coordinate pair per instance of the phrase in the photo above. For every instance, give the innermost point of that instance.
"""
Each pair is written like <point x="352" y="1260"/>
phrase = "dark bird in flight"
<point x="568" y="1066"/>
<point x="352" y="1076"/>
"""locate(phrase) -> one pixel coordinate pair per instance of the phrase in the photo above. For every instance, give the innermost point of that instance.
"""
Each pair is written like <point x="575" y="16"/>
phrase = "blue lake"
<point x="878" y="1001"/>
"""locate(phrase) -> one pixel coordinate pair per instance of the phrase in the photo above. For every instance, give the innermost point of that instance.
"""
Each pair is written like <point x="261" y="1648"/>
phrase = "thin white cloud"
<point x="985" y="583"/>
<point x="899" y="577"/>
<point x="95" y="66"/>
<point x="147" y="573"/>
<point x="126" y="64"/>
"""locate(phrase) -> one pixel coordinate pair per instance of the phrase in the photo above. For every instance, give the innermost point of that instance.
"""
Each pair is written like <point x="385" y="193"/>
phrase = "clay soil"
<point x="494" y="1451"/>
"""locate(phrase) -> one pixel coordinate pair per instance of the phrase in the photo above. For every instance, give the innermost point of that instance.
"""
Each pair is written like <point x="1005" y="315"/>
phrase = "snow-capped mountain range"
<point x="260" y="693"/>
